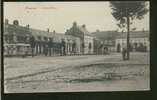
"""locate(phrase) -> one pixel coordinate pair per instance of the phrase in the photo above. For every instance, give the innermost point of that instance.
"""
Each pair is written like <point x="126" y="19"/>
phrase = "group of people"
<point x="48" y="47"/>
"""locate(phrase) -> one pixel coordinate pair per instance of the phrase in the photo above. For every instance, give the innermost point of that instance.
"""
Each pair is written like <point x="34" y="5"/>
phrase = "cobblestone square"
<point x="77" y="73"/>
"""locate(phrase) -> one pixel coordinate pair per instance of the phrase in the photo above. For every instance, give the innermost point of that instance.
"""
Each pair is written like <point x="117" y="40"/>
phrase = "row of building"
<point x="76" y="40"/>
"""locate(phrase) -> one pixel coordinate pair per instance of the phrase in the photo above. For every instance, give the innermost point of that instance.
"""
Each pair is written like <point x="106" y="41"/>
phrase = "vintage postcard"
<point x="76" y="46"/>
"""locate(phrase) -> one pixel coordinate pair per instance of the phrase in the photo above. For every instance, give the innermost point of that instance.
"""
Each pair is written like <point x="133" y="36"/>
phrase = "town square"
<point x="77" y="73"/>
<point x="59" y="47"/>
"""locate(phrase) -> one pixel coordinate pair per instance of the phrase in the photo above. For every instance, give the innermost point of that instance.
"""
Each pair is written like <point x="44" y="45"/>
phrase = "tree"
<point x="125" y="11"/>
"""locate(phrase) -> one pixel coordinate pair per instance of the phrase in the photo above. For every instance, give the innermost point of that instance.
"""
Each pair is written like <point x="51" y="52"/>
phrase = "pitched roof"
<point x="84" y="30"/>
<point x="111" y="35"/>
<point x="19" y="30"/>
<point x="22" y="30"/>
<point x="105" y="35"/>
<point x="36" y="32"/>
<point x="136" y="34"/>
<point x="57" y="37"/>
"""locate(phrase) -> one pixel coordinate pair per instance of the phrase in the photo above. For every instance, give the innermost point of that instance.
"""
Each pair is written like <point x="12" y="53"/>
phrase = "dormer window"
<point x="16" y="22"/>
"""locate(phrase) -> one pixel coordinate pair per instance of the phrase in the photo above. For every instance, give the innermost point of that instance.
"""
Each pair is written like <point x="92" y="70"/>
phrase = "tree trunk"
<point x="128" y="37"/>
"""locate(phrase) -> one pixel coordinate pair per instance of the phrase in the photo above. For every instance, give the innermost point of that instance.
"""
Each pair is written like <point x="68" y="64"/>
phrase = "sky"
<point x="59" y="16"/>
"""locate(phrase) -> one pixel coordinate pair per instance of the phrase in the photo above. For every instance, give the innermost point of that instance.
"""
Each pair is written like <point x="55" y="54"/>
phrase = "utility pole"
<point x="128" y="35"/>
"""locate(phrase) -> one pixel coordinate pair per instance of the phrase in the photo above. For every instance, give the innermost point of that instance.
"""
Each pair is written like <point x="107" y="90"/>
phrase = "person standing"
<point x="46" y="47"/>
<point x="50" y="43"/>
<point x="32" y="43"/>
<point x="89" y="47"/>
<point x="74" y="47"/>
<point x="63" y="47"/>
<point x="124" y="53"/>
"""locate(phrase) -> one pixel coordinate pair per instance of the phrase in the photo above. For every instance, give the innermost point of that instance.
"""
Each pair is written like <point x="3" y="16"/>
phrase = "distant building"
<point x="15" y="34"/>
<point x="87" y="40"/>
<point x="116" y="41"/>
<point x="98" y="46"/>
<point x="76" y="40"/>
<point x="107" y="39"/>
<point x="139" y="41"/>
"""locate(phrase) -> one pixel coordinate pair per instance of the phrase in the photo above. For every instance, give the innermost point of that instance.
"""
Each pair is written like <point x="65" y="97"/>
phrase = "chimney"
<point x="67" y="32"/>
<point x="27" y="26"/>
<point x="84" y="26"/>
<point x="6" y="21"/>
<point x="48" y="30"/>
<point x="16" y="22"/>
<point x="54" y="32"/>
<point x="74" y="24"/>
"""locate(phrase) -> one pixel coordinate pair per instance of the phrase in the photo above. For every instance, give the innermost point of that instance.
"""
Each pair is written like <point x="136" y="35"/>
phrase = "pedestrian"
<point x="32" y="43"/>
<point x="63" y="47"/>
<point x="46" y="47"/>
<point x="50" y="46"/>
<point x="74" y="47"/>
<point x="124" y="54"/>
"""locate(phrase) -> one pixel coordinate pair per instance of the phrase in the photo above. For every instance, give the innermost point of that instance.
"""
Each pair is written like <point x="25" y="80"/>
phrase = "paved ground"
<point x="77" y="73"/>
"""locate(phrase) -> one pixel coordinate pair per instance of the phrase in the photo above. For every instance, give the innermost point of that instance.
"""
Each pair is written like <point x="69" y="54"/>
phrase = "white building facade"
<point x="138" y="40"/>
<point x="89" y="45"/>
<point x="86" y="45"/>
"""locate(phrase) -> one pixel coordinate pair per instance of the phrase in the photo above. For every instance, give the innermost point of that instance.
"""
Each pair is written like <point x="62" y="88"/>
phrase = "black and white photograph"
<point x="76" y="46"/>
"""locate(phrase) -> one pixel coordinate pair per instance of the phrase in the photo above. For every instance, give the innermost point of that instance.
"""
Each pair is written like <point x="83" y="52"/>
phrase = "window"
<point x="90" y="46"/>
<point x="39" y="37"/>
<point x="45" y="38"/>
<point x="10" y="37"/>
<point x="6" y="38"/>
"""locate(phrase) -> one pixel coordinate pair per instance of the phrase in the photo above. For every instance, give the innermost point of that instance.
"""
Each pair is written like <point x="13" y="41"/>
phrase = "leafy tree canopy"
<point x="131" y="9"/>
